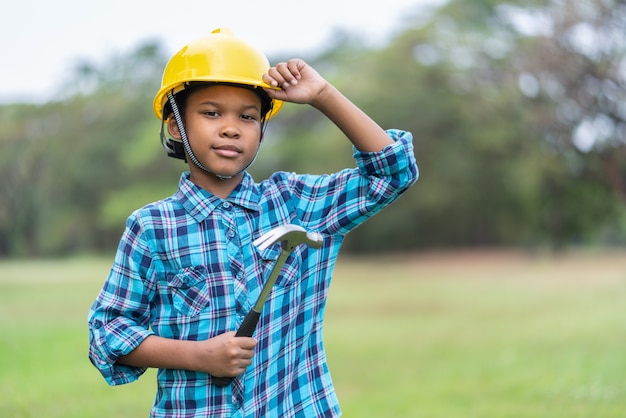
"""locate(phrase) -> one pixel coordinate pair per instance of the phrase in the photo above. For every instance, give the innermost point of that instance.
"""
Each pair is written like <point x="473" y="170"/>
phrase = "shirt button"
<point x="227" y="205"/>
<point x="230" y="234"/>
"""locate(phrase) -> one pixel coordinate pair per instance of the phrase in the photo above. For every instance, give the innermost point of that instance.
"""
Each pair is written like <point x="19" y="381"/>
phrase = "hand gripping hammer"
<point x="289" y="236"/>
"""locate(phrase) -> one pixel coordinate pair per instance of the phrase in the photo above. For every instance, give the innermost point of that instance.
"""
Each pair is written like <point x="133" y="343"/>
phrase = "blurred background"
<point x="518" y="111"/>
<point x="495" y="287"/>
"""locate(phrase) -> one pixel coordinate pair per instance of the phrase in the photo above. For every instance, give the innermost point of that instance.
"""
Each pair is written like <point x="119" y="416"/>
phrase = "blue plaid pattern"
<point x="186" y="268"/>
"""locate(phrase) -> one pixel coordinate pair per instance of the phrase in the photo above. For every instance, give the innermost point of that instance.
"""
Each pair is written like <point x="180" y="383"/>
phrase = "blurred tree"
<point x="517" y="109"/>
<point x="21" y="160"/>
<point x="64" y="160"/>
<point x="572" y="68"/>
<point x="476" y="159"/>
<point x="494" y="150"/>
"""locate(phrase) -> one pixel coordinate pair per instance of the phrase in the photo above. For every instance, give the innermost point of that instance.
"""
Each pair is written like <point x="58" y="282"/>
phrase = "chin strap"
<point x="185" y="140"/>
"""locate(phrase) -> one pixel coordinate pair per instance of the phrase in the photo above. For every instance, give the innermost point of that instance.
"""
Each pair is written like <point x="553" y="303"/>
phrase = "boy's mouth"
<point x="228" y="151"/>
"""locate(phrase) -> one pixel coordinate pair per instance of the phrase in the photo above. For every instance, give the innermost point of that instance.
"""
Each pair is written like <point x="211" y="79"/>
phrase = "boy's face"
<point x="223" y="125"/>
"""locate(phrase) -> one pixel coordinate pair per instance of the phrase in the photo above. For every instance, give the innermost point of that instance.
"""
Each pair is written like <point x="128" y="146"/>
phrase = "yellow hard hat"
<point x="218" y="57"/>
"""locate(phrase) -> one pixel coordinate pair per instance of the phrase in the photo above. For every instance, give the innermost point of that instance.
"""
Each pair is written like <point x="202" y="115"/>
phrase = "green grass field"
<point x="476" y="334"/>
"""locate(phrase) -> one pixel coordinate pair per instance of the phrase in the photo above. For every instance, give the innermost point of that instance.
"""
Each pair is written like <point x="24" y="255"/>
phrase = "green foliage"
<point x="519" y="131"/>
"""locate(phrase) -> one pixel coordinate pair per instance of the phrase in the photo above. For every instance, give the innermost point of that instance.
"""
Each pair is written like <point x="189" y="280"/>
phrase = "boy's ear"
<point x="172" y="128"/>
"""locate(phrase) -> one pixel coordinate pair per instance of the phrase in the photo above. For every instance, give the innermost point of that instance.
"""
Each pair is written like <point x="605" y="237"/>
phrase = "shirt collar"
<point x="200" y="203"/>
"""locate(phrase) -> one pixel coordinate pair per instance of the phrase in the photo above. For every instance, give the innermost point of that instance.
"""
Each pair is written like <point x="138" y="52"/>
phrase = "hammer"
<point x="289" y="236"/>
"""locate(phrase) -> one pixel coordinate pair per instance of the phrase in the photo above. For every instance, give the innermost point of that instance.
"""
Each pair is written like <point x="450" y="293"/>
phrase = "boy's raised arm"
<point x="300" y="83"/>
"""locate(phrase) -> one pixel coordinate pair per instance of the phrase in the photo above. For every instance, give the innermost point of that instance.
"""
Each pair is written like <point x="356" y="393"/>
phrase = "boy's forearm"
<point x="361" y="130"/>
<point x="223" y="355"/>
<point x="160" y="352"/>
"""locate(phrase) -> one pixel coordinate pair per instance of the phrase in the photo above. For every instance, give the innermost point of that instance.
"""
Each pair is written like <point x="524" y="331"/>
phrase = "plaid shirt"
<point x="186" y="269"/>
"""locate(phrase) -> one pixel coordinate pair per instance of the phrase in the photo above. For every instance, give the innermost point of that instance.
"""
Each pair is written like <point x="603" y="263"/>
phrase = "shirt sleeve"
<point x="118" y="319"/>
<point x="340" y="202"/>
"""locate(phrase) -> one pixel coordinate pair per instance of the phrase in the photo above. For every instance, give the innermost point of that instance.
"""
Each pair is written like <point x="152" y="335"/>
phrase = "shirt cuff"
<point x="391" y="160"/>
<point x="109" y="342"/>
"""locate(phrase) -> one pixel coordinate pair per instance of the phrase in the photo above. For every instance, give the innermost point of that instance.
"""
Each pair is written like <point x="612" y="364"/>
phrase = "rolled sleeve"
<point x="107" y="342"/>
<point x="119" y="318"/>
<point x="396" y="160"/>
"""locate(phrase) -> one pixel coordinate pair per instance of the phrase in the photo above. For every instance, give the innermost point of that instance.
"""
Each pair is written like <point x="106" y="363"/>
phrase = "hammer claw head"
<point x="290" y="236"/>
<point x="314" y="239"/>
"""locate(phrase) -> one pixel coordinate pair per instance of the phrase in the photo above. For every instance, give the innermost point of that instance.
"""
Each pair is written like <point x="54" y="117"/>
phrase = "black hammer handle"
<point x="249" y="323"/>
<point x="245" y="330"/>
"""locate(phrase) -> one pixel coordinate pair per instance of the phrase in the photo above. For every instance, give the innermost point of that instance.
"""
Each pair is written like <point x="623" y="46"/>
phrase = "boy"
<point x="186" y="272"/>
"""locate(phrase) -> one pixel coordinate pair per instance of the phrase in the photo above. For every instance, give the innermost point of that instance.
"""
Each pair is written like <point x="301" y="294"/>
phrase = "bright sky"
<point x="42" y="40"/>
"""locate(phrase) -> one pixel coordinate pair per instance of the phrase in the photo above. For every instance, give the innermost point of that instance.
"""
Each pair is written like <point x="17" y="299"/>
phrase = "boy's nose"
<point x="229" y="129"/>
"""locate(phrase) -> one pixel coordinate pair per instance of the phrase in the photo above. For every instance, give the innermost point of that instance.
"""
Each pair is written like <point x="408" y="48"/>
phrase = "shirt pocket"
<point x="290" y="271"/>
<point x="190" y="289"/>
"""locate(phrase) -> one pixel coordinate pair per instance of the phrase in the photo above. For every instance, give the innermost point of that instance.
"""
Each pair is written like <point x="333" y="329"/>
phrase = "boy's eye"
<point x="248" y="117"/>
<point x="211" y="113"/>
